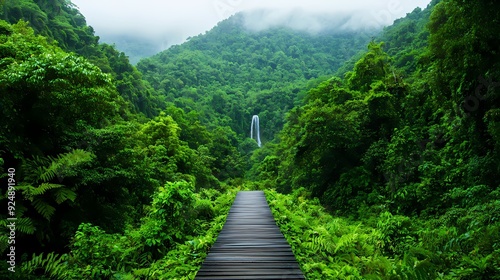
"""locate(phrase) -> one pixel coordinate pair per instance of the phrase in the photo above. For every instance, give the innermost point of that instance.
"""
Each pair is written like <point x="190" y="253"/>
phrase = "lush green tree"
<point x="48" y="97"/>
<point x="317" y="144"/>
<point x="372" y="67"/>
<point x="47" y="93"/>
<point x="61" y="22"/>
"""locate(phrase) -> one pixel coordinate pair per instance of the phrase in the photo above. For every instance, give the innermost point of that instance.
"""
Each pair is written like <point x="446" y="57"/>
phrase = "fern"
<point x="25" y="225"/>
<point x="319" y="242"/>
<point x="37" y="168"/>
<point x="45" y="169"/>
<point x="143" y="273"/>
<point x="410" y="268"/>
<point x="54" y="265"/>
<point x="38" y="189"/>
<point x="30" y="192"/>
<point x="346" y="241"/>
<point x="64" y="194"/>
<point x="44" y="187"/>
<point x="43" y="208"/>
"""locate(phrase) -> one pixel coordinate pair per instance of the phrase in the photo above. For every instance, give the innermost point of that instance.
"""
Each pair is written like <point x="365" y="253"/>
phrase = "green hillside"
<point x="230" y="73"/>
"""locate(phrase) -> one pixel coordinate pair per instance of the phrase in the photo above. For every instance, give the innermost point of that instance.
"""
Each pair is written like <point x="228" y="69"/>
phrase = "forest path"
<point x="250" y="245"/>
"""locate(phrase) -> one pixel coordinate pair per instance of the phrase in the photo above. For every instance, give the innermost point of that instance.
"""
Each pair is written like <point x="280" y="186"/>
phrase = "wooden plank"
<point x="250" y="245"/>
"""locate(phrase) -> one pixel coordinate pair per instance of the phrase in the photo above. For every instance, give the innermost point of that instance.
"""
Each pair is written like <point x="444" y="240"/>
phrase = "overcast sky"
<point x="168" y="22"/>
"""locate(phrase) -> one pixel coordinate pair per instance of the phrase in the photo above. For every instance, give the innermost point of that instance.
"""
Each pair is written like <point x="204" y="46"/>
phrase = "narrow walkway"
<point x="250" y="245"/>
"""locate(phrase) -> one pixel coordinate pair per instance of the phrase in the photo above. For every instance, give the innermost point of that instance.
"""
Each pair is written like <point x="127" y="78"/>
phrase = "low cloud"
<point x="316" y="16"/>
<point x="312" y="22"/>
<point x="165" y="23"/>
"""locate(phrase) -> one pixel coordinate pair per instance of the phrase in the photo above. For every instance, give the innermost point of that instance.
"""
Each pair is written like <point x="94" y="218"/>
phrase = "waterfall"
<point x="255" y="123"/>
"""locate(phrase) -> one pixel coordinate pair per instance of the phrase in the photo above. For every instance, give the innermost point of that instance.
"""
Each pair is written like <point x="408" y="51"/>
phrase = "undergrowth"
<point x="171" y="242"/>
<point x="387" y="246"/>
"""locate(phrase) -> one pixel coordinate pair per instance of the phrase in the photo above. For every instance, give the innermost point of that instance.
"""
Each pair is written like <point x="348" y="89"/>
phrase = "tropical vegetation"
<point x="380" y="156"/>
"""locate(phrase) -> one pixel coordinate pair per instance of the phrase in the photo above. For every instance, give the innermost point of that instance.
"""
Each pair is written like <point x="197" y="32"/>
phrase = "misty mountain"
<point x="134" y="47"/>
<point x="161" y="24"/>
<point x="137" y="46"/>
<point x="232" y="71"/>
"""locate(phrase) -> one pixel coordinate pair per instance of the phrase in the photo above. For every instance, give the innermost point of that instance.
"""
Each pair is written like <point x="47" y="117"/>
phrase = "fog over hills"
<point x="142" y="28"/>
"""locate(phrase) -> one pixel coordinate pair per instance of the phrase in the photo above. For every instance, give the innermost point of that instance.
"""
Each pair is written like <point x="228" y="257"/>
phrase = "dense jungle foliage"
<point x="406" y="144"/>
<point x="380" y="158"/>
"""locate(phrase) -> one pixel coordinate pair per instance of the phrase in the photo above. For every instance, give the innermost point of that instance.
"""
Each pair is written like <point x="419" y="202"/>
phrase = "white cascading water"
<point x="255" y="123"/>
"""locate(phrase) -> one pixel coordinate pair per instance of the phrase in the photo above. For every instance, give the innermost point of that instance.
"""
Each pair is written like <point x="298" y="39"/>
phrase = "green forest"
<point x="380" y="154"/>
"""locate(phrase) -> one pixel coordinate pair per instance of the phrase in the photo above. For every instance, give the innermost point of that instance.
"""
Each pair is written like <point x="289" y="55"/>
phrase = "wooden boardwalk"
<point x="250" y="245"/>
